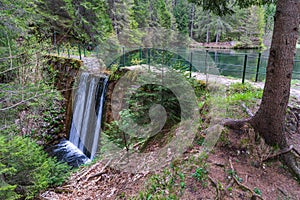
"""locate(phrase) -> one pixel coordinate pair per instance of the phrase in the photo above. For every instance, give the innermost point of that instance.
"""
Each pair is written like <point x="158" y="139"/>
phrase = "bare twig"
<point x="19" y="103"/>
<point x="10" y="69"/>
<point x="242" y="185"/>
<point x="31" y="98"/>
<point x="216" y="185"/>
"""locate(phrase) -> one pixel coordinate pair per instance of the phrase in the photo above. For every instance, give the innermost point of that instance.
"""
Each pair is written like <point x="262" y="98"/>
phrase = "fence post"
<point x="149" y="58"/>
<point x="244" y="70"/>
<point x="123" y="52"/>
<point x="79" y="51"/>
<point x="68" y="52"/>
<point x="141" y="55"/>
<point x="257" y="68"/>
<point x="206" y="67"/>
<point x="191" y="60"/>
<point x="54" y="38"/>
<point x="97" y="51"/>
<point x="58" y="50"/>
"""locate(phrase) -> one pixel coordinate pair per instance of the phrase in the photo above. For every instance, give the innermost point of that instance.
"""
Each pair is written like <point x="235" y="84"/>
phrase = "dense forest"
<point x="90" y="22"/>
<point x="27" y="25"/>
<point x="33" y="109"/>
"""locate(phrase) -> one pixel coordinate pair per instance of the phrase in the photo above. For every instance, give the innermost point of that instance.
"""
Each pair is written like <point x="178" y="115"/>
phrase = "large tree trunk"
<point x="269" y="121"/>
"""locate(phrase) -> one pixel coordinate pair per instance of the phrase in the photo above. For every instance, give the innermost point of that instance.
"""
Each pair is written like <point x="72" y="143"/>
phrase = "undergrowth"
<point x="32" y="115"/>
<point x="171" y="182"/>
<point x="25" y="169"/>
<point x="235" y="95"/>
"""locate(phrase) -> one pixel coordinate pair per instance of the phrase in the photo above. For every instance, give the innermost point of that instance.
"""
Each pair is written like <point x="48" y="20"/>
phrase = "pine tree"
<point x="180" y="12"/>
<point x="141" y="12"/>
<point x="159" y="15"/>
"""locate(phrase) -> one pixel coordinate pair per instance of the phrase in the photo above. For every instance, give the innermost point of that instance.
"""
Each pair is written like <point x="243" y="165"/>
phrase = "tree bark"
<point x="269" y="121"/>
<point x="192" y="21"/>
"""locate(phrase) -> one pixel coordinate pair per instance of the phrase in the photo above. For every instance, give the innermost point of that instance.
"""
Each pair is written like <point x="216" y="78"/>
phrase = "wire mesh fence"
<point x="245" y="66"/>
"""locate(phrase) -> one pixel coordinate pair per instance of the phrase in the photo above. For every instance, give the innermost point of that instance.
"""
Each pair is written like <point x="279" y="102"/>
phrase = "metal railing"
<point x="247" y="66"/>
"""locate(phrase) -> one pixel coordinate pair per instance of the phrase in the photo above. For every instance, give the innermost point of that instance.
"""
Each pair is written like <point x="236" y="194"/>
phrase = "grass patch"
<point x="228" y="105"/>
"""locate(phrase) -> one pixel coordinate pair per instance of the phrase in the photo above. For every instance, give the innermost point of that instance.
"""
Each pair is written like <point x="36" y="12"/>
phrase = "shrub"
<point x="25" y="169"/>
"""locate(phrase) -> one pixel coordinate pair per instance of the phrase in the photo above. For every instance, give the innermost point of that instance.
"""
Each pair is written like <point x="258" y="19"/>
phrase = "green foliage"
<point x="200" y="174"/>
<point x="201" y="171"/>
<point x="141" y="12"/>
<point x="139" y="105"/>
<point x="223" y="7"/>
<point x="199" y="87"/>
<point x="246" y="26"/>
<point x="241" y="88"/>
<point x="168" y="185"/>
<point x="180" y="12"/>
<point x="115" y="135"/>
<point x="40" y="116"/>
<point x="236" y="94"/>
<point x="160" y="15"/>
<point x="25" y="169"/>
<point x="171" y="182"/>
<point x="148" y="95"/>
<point x="257" y="191"/>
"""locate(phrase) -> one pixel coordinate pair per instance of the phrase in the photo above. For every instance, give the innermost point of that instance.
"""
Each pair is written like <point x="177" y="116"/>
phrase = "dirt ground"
<point x="238" y="166"/>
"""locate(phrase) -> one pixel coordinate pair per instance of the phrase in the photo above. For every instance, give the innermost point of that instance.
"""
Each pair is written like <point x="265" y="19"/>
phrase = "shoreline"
<point x="221" y="45"/>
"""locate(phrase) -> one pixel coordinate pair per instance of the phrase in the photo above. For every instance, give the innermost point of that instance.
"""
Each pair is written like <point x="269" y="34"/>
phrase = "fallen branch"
<point x="296" y="152"/>
<point x="216" y="185"/>
<point x="282" y="191"/>
<point x="242" y="185"/>
<point x="87" y="171"/>
<point x="99" y="173"/>
<point x="248" y="111"/>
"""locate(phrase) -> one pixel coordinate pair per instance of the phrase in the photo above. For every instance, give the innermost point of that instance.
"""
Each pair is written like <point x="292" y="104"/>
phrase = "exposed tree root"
<point x="235" y="124"/>
<point x="289" y="160"/>
<point x="287" y="154"/>
<point x="280" y="152"/>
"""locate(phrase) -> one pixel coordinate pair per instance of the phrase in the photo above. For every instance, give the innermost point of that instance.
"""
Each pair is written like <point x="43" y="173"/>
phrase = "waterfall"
<point x="86" y="120"/>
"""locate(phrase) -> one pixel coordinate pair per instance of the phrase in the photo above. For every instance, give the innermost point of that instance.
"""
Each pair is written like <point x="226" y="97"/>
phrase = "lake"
<point x="230" y="62"/>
